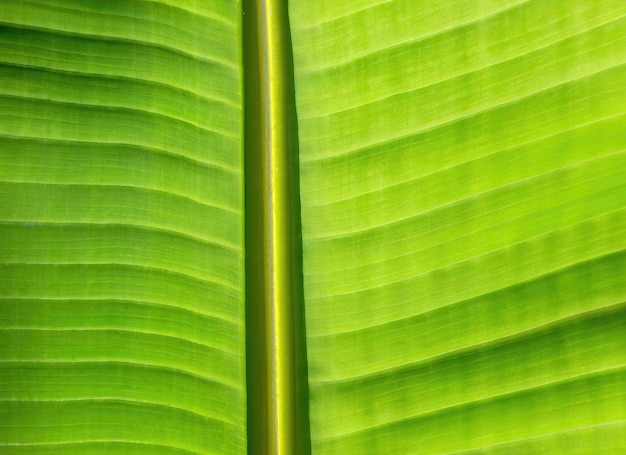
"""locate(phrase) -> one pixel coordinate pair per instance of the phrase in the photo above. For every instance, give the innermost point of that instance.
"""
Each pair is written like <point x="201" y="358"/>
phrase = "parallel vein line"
<point x="490" y="343"/>
<point x="73" y="142"/>
<point x="94" y="441"/>
<point x="191" y="373"/>
<point x="343" y="16"/>
<point x="363" y="55"/>
<point x="476" y="196"/>
<point x="129" y="266"/>
<point x="207" y="96"/>
<point x="115" y="108"/>
<point x="468" y="234"/>
<point x="147" y="189"/>
<point x="473" y="159"/>
<point x="547" y="273"/>
<point x="618" y="248"/>
<point x="483" y="400"/>
<point x="413" y="90"/>
<point x="209" y="14"/>
<point x="206" y="13"/>
<point x="213" y="164"/>
<point x="447" y="123"/>
<point x="543" y="436"/>
<point x="211" y="241"/>
<point x="145" y="120"/>
<point x="113" y="399"/>
<point x="235" y="322"/>
<point x="115" y="77"/>
<point x="121" y="330"/>
<point x="209" y="280"/>
<point x="104" y="38"/>
<point x="527" y="332"/>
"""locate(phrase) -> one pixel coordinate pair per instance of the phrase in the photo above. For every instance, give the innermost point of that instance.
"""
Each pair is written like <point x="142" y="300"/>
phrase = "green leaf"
<point x="453" y="170"/>
<point x="121" y="200"/>
<point x="462" y="187"/>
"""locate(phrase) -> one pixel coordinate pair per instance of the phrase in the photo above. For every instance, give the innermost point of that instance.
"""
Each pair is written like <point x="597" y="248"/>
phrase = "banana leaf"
<point x="462" y="202"/>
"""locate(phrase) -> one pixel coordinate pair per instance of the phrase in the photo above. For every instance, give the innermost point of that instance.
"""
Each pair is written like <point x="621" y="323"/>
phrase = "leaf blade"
<point x="462" y="225"/>
<point x="122" y="319"/>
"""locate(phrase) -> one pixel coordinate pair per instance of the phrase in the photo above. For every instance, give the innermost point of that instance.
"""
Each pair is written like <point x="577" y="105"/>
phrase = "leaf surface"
<point x="463" y="211"/>
<point x="121" y="241"/>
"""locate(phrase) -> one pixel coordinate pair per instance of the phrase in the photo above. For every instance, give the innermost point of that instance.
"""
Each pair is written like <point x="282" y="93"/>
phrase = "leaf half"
<point x="121" y="240"/>
<point x="464" y="224"/>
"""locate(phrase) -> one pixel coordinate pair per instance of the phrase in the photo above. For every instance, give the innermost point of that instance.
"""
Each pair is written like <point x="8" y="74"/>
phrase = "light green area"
<point x="464" y="224"/>
<point x="121" y="228"/>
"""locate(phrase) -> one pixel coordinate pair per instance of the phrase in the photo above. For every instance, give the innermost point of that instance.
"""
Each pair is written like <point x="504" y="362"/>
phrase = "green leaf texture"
<point x="121" y="240"/>
<point x="464" y="226"/>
